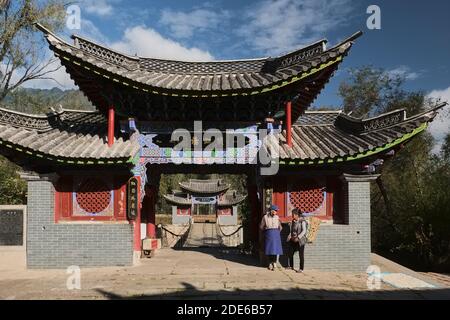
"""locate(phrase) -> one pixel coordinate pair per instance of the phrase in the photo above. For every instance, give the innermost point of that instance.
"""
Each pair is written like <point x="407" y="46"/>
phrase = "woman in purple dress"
<point x="271" y="226"/>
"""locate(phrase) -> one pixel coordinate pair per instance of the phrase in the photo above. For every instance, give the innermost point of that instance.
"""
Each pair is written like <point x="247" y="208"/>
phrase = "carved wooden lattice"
<point x="93" y="196"/>
<point x="108" y="54"/>
<point x="300" y="56"/>
<point x="307" y="200"/>
<point x="201" y="67"/>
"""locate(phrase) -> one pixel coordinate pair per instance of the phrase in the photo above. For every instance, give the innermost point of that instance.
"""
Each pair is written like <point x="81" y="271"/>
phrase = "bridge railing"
<point x="179" y="238"/>
<point x="229" y="238"/>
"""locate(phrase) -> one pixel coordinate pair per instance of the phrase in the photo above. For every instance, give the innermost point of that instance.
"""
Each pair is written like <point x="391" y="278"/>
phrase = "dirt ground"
<point x="202" y="274"/>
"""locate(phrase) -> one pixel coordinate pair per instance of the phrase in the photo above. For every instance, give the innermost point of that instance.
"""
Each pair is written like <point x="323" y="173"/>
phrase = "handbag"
<point x="303" y="240"/>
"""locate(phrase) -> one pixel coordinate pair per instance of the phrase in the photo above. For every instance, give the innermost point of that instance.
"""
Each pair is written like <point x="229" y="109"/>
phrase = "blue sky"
<point x="414" y="39"/>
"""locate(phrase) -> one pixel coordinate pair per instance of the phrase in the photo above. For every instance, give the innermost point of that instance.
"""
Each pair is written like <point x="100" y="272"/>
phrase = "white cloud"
<point x="283" y="25"/>
<point x="98" y="7"/>
<point x="403" y="72"/>
<point x="148" y="42"/>
<point x="440" y="127"/>
<point x="185" y="24"/>
<point x="141" y="40"/>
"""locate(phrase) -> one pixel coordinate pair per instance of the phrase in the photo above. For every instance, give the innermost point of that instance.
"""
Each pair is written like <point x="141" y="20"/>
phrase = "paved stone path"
<point x="194" y="273"/>
<point x="443" y="279"/>
<point x="202" y="234"/>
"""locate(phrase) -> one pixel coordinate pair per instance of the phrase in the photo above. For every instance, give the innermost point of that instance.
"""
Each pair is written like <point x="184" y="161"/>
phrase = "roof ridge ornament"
<point x="90" y="64"/>
<point x="273" y="64"/>
<point x="357" y="125"/>
<point x="352" y="38"/>
<point x="354" y="125"/>
<point x="90" y="47"/>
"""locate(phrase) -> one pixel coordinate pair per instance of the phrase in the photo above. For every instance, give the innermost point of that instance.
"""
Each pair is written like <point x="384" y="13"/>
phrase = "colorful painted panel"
<point x="153" y="153"/>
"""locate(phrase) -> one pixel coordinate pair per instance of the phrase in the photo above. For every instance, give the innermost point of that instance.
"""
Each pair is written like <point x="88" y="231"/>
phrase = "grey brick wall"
<point x="51" y="245"/>
<point x="343" y="247"/>
<point x="228" y="220"/>
<point x="179" y="219"/>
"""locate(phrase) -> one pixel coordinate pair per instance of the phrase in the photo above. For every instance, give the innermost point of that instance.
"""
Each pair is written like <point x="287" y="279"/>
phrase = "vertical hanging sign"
<point x="133" y="198"/>
<point x="268" y="198"/>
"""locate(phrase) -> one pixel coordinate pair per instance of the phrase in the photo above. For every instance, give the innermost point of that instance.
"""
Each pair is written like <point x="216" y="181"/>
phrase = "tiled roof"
<point x="328" y="137"/>
<point x="201" y="77"/>
<point x="213" y="186"/>
<point x="230" y="198"/>
<point x="314" y="118"/>
<point x="65" y="136"/>
<point x="77" y="137"/>
<point x="177" y="200"/>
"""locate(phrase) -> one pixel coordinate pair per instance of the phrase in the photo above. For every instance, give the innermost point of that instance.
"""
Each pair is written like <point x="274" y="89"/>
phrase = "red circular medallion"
<point x="93" y="196"/>
<point x="307" y="200"/>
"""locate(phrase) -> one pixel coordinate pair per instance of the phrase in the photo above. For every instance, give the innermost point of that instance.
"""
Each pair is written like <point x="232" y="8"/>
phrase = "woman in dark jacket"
<point x="297" y="239"/>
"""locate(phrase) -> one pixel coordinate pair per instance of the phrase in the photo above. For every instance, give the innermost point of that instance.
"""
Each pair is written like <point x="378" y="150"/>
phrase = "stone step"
<point x="203" y="235"/>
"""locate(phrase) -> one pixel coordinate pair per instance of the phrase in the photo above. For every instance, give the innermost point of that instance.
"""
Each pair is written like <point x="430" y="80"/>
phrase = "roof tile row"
<point x="200" y="76"/>
<point x="316" y="136"/>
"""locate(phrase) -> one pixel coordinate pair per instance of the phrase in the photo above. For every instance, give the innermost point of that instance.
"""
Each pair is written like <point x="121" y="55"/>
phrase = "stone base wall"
<point x="336" y="248"/>
<point x="341" y="247"/>
<point x="51" y="245"/>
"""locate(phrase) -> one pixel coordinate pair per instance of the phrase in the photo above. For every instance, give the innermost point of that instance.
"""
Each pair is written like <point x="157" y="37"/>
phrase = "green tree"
<point x="21" y="60"/>
<point x="12" y="188"/>
<point x="446" y="148"/>
<point x="21" y="56"/>
<point x="368" y="91"/>
<point x="410" y="201"/>
<point x="39" y="101"/>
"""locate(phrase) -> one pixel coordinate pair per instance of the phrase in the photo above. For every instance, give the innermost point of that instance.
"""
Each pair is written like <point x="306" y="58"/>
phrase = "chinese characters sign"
<point x="133" y="198"/>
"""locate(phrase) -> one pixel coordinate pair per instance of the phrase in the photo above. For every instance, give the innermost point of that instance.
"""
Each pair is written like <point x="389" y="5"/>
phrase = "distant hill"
<point x="41" y="100"/>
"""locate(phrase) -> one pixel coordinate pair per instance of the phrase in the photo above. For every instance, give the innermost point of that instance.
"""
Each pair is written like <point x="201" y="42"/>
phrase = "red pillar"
<point x="137" y="222"/>
<point x="110" y="126"/>
<point x="288" y="124"/>
<point x="151" y="218"/>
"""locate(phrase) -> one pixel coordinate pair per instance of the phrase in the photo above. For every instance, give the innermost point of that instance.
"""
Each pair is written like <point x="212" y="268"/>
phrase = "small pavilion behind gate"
<point x="205" y="200"/>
